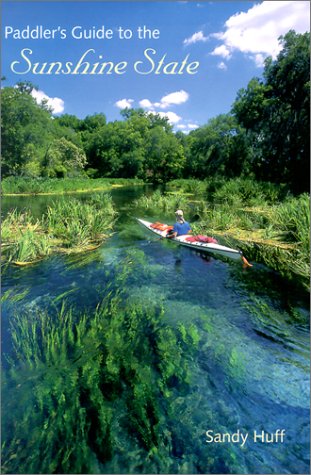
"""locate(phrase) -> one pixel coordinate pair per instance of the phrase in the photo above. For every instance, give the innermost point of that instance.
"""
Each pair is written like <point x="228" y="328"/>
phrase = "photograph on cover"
<point x="155" y="237"/>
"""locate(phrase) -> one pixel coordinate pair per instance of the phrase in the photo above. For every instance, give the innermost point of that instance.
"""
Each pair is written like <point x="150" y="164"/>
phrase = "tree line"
<point x="265" y="135"/>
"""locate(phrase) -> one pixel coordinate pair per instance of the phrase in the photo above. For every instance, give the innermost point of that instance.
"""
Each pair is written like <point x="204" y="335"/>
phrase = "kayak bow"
<point x="197" y="245"/>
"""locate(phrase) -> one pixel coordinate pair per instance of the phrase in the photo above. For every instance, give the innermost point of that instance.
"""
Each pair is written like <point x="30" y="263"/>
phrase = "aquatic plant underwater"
<point x="96" y="382"/>
<point x="110" y="382"/>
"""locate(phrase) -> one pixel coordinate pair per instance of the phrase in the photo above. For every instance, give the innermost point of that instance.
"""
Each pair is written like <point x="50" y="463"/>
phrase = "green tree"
<point x="26" y="129"/>
<point x="275" y="113"/>
<point x="69" y="121"/>
<point x="121" y="148"/>
<point x="218" y="148"/>
<point x="165" y="158"/>
<point x="63" y="158"/>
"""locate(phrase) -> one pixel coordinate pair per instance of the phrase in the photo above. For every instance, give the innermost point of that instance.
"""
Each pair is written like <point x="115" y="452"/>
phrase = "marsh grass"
<point x="88" y="392"/>
<point x="77" y="224"/>
<point x="14" y="222"/>
<point x="245" y="192"/>
<point x="67" y="224"/>
<point x="30" y="246"/>
<point x="233" y="192"/>
<point x="293" y="217"/>
<point x="163" y="202"/>
<point x="286" y="258"/>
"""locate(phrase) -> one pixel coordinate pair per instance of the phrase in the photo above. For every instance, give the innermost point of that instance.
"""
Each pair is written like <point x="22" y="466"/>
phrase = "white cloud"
<point x="222" y="66"/>
<point x="259" y="60"/>
<point x="177" y="98"/>
<point x="55" y="103"/>
<point x="171" y="116"/>
<point x="199" y="36"/>
<point x="187" y="127"/>
<point x="222" y="51"/>
<point x="145" y="103"/>
<point x="256" y="31"/>
<point x="174" y="98"/>
<point x="192" y="126"/>
<point x="124" y="103"/>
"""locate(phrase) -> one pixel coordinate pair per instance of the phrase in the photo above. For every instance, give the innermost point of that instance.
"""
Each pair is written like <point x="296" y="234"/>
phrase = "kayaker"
<point x="180" y="227"/>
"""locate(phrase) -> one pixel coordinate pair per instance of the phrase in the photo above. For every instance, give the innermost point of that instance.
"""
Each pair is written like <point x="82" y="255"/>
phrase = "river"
<point x="251" y="371"/>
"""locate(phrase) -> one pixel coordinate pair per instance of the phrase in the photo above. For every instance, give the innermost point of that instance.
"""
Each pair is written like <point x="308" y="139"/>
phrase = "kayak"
<point x="211" y="247"/>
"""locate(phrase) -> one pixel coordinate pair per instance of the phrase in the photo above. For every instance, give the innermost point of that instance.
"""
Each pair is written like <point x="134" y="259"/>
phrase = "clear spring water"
<point x="251" y="372"/>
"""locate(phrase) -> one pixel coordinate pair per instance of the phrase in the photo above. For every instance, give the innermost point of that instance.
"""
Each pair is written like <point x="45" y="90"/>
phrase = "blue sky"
<point x="228" y="39"/>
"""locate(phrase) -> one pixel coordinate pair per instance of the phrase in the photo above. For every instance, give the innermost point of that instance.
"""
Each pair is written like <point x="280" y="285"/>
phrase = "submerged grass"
<point x="19" y="185"/>
<point x="92" y="393"/>
<point x="68" y="224"/>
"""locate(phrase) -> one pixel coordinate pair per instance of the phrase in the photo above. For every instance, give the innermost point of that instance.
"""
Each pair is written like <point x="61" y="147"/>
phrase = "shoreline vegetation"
<point x="264" y="220"/>
<point x="269" y="225"/>
<point x="18" y="186"/>
<point x="68" y="226"/>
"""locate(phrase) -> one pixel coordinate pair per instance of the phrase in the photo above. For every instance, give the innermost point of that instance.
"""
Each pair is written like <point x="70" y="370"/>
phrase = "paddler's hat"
<point x="179" y="212"/>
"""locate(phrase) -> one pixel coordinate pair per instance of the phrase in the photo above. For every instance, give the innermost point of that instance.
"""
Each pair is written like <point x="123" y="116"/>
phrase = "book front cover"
<point x="155" y="231"/>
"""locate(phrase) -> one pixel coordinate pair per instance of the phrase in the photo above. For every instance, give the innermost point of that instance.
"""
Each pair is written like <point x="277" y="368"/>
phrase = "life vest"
<point x="161" y="226"/>
<point x="201" y="238"/>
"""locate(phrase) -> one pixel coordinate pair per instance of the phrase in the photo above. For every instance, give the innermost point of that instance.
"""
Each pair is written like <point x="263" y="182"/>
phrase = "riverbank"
<point x="68" y="226"/>
<point x="17" y="186"/>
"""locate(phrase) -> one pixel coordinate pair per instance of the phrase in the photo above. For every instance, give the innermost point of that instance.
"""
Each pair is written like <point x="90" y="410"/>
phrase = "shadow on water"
<point x="250" y="371"/>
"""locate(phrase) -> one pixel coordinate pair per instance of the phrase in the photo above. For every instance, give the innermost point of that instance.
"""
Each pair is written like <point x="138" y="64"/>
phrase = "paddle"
<point x="245" y="262"/>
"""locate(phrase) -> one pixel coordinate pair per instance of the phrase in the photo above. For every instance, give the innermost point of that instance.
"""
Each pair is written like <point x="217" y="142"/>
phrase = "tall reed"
<point x="162" y="202"/>
<point x="77" y="223"/>
<point x="293" y="217"/>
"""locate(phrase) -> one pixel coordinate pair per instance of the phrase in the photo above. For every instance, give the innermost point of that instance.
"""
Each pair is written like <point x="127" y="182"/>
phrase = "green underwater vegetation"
<point x="127" y="384"/>
<point x="100" y="385"/>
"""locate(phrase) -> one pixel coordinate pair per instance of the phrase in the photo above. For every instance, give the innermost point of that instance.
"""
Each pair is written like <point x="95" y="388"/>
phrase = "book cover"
<point x="125" y="123"/>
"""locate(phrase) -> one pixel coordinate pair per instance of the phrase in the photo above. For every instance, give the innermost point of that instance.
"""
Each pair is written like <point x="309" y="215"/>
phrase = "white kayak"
<point x="197" y="245"/>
